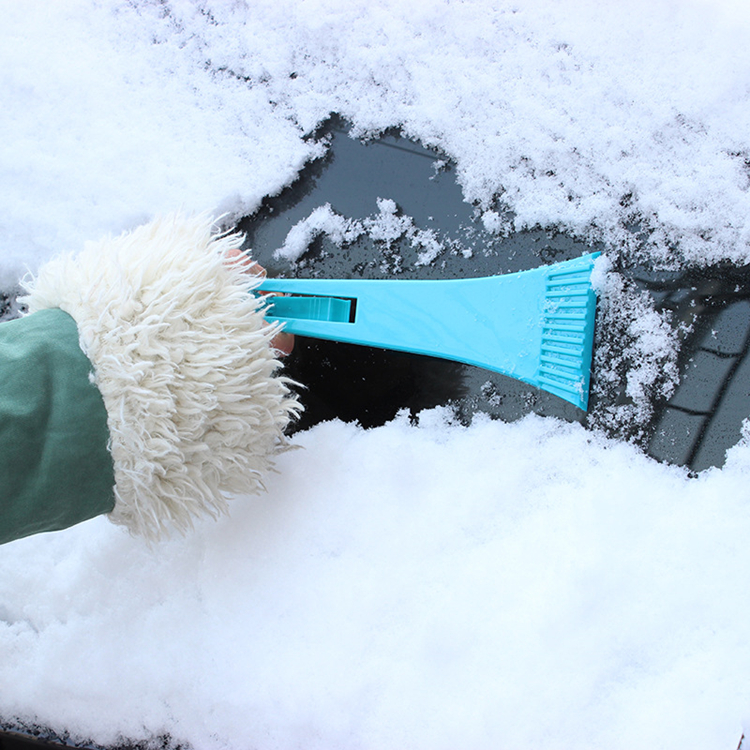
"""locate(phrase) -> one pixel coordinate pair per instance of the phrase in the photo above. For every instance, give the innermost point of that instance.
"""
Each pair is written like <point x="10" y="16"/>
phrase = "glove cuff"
<point x="182" y="358"/>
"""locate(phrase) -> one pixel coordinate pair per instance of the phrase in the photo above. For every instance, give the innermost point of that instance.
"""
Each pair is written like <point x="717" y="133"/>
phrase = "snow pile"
<point x="506" y="585"/>
<point x="584" y="114"/>
<point x="590" y="115"/>
<point x="108" y="121"/>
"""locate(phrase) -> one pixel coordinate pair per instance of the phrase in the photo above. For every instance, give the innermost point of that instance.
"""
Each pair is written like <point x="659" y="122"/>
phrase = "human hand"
<point x="282" y="342"/>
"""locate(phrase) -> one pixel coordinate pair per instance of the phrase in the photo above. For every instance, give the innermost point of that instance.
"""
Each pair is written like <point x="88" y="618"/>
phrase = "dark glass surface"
<point x="371" y="385"/>
<point x="710" y="308"/>
<point x="704" y="417"/>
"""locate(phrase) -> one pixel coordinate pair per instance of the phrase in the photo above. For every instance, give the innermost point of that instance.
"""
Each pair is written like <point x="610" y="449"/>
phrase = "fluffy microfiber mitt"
<point x="183" y="359"/>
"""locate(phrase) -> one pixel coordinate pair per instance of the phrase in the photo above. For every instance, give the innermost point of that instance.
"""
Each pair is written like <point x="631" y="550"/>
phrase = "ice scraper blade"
<point x="536" y="326"/>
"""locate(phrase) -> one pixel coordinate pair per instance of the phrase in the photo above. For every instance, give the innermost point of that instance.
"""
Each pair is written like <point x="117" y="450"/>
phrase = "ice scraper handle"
<point x="536" y="326"/>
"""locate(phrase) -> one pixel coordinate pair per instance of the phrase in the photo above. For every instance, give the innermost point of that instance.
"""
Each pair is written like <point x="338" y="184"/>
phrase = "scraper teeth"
<point x="567" y="331"/>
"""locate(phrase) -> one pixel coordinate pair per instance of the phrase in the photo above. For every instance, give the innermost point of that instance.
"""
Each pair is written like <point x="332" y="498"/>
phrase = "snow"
<point x="639" y="347"/>
<point x="386" y="227"/>
<point x="111" y="122"/>
<point x="427" y="587"/>
<point x="321" y="221"/>
<point x="432" y="585"/>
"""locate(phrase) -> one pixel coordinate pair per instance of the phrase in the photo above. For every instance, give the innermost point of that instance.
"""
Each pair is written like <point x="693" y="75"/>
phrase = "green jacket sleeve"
<point x="55" y="468"/>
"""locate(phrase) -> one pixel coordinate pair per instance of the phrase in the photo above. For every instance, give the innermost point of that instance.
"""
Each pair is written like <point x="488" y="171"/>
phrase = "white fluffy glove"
<point x="182" y="358"/>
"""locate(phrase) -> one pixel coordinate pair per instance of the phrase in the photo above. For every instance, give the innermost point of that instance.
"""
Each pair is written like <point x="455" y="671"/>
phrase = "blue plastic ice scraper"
<point x="536" y="326"/>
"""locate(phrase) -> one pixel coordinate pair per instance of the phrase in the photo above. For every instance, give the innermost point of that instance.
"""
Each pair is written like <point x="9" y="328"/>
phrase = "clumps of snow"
<point x="322" y="221"/>
<point x="430" y="246"/>
<point x="386" y="229"/>
<point x="495" y="223"/>
<point x="388" y="226"/>
<point x="635" y="357"/>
